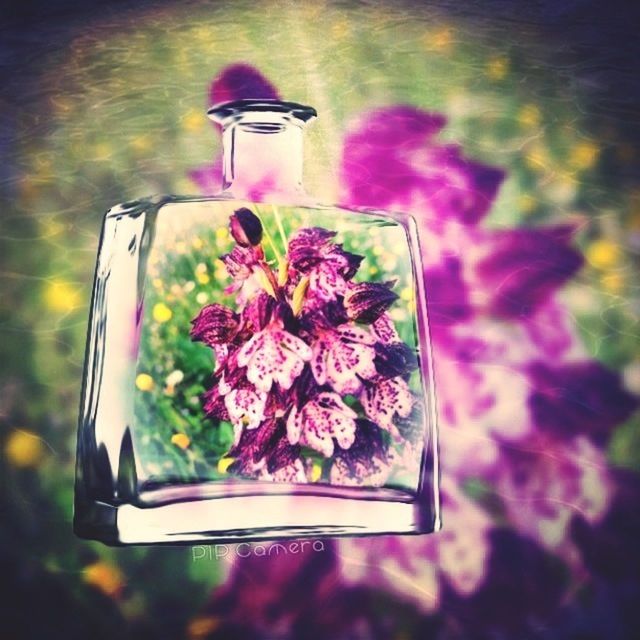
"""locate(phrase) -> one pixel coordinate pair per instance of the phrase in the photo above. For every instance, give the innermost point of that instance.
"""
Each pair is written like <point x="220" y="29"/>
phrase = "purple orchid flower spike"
<point x="290" y="356"/>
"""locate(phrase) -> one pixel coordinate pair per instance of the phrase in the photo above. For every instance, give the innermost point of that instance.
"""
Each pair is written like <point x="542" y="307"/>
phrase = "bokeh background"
<point x="538" y="389"/>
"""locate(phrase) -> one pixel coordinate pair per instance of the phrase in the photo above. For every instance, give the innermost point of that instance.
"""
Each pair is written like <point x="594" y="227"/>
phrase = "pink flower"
<point x="245" y="407"/>
<point x="273" y="355"/>
<point x="319" y="421"/>
<point x="387" y="399"/>
<point x="343" y="357"/>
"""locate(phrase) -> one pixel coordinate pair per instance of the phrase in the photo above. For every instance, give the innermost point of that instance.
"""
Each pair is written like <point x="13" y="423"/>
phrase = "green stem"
<point x="283" y="235"/>
<point x="265" y="229"/>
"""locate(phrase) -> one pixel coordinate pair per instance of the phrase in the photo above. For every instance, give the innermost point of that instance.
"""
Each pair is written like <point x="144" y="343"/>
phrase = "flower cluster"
<point x="310" y="370"/>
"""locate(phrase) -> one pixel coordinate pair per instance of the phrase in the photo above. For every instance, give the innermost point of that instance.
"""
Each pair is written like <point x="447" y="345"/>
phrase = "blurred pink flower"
<point x="524" y="413"/>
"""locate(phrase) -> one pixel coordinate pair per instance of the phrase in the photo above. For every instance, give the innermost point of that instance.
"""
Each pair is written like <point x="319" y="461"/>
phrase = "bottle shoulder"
<point x="177" y="203"/>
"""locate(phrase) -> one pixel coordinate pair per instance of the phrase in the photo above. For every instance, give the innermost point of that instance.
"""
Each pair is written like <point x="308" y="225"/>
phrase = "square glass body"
<point x="157" y="464"/>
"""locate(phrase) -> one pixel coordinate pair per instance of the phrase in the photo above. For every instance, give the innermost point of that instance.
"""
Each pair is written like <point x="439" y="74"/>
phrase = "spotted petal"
<point x="343" y="357"/>
<point x="366" y="301"/>
<point x="274" y="355"/>
<point x="320" y="421"/>
<point x="387" y="399"/>
<point x="215" y="324"/>
<point x="246" y="407"/>
<point x="366" y="461"/>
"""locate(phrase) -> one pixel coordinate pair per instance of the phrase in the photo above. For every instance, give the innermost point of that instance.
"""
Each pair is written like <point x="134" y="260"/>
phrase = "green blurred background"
<point x="107" y="104"/>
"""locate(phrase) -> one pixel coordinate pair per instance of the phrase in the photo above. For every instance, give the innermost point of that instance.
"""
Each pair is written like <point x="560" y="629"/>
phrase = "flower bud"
<point x="246" y="228"/>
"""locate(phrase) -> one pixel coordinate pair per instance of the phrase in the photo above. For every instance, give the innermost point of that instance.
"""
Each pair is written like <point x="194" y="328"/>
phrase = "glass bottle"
<point x="258" y="366"/>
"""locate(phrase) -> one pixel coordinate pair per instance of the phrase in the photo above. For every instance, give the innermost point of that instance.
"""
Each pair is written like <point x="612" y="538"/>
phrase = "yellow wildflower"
<point x="61" y="297"/>
<point x="23" y="448"/>
<point x="529" y="116"/>
<point x="340" y="29"/>
<point x="497" y="68"/>
<point x="406" y="294"/>
<point x="316" y="472"/>
<point x="162" y="313"/>
<point x="104" y="577"/>
<point x="201" y="627"/>
<point x="144" y="382"/>
<point x="194" y="120"/>
<point x="102" y="151"/>
<point x="441" y="40"/>
<point x="603" y="254"/>
<point x="584" y="155"/>
<point x="613" y="282"/>
<point x="224" y="464"/>
<point x="181" y="440"/>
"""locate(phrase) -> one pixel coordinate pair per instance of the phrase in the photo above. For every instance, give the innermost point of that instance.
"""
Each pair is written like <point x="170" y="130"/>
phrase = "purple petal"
<point x="246" y="406"/>
<point x="389" y="128"/>
<point x="525" y="266"/>
<point x="365" y="461"/>
<point x="274" y="355"/>
<point x="522" y="583"/>
<point x="576" y="398"/>
<point x="385" y="399"/>
<point x="258" y="311"/>
<point x="369" y="441"/>
<point x="320" y="420"/>
<point x="213" y="404"/>
<point x="367" y="301"/>
<point x="396" y="359"/>
<point x="238" y="82"/>
<point x="447" y="293"/>
<point x="349" y="263"/>
<point x="385" y="329"/>
<point x="610" y="548"/>
<point x="305" y="247"/>
<point x="215" y="324"/>
<point x="390" y="159"/>
<point x="343" y="358"/>
<point x="239" y="262"/>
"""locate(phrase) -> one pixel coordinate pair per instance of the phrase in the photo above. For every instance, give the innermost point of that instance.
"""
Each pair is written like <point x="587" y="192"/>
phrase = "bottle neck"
<point x="262" y="153"/>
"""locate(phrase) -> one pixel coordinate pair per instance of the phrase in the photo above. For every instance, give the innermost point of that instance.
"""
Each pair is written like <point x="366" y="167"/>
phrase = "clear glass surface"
<point x="256" y="370"/>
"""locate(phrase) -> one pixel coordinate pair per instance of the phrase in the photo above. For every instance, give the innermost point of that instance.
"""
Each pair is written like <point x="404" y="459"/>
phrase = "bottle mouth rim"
<point x="236" y="109"/>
